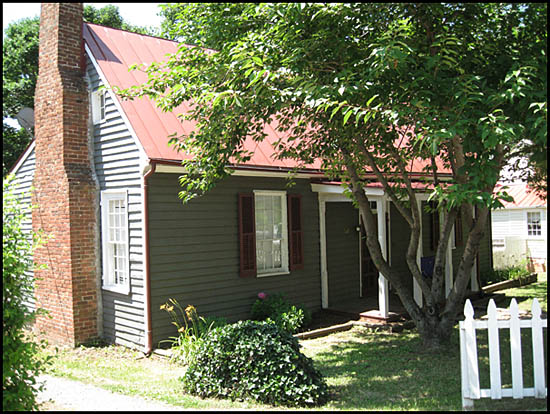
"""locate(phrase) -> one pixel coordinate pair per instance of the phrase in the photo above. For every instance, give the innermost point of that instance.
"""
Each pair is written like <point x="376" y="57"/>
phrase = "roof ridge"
<point x="148" y="35"/>
<point x="129" y="31"/>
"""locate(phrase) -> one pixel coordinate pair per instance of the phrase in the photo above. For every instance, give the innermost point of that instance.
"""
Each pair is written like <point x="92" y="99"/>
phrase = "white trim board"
<point x="23" y="157"/>
<point x="179" y="169"/>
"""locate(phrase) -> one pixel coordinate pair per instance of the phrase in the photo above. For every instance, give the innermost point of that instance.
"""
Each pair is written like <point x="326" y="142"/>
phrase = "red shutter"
<point x="247" y="235"/>
<point x="295" y="232"/>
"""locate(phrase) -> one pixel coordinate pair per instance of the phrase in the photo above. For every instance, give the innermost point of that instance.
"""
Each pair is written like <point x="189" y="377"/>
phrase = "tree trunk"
<point x="436" y="319"/>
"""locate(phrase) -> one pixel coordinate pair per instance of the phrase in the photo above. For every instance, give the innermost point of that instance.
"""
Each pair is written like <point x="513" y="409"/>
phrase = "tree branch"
<point x="414" y="240"/>
<point x="389" y="190"/>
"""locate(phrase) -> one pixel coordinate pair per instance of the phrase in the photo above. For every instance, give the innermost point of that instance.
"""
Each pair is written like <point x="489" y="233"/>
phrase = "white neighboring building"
<point x="520" y="229"/>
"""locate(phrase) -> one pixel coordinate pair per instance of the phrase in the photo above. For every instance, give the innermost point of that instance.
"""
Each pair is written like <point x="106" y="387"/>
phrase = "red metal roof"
<point x="522" y="196"/>
<point x="116" y="50"/>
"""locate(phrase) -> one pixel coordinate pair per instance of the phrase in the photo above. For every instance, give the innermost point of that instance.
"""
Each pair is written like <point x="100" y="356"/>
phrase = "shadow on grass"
<point x="386" y="371"/>
<point x="381" y="370"/>
<point x="523" y="293"/>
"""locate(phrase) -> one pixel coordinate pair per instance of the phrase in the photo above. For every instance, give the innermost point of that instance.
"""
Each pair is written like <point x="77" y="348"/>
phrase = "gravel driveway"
<point x="64" y="394"/>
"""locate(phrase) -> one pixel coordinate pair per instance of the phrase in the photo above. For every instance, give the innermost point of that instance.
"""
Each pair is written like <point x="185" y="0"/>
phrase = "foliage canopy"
<point x="368" y="89"/>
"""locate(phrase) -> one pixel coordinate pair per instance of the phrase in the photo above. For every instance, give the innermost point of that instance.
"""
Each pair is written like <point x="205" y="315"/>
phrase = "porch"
<point x="347" y="270"/>
<point x="366" y="309"/>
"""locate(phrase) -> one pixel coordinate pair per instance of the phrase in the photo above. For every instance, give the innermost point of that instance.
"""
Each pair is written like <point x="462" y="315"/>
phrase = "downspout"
<point x="148" y="319"/>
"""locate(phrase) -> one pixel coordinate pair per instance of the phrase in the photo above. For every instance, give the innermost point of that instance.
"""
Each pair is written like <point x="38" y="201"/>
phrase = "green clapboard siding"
<point x="342" y="252"/>
<point x="194" y="251"/>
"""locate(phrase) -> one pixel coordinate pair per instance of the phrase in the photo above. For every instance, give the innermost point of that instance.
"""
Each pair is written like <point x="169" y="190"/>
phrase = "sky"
<point x="140" y="14"/>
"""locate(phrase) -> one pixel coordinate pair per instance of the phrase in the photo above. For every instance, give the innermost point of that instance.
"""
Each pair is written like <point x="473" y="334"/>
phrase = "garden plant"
<point x="192" y="329"/>
<point x="22" y="360"/>
<point x="258" y="361"/>
<point x="277" y="309"/>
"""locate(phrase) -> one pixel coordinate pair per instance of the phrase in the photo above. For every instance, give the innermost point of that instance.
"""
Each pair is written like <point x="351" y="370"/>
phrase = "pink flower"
<point x="262" y="295"/>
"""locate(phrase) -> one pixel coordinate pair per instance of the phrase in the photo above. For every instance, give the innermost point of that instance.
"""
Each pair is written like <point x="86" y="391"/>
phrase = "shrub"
<point x="255" y="360"/>
<point x="21" y="362"/>
<point x="191" y="327"/>
<point x="517" y="271"/>
<point x="276" y="308"/>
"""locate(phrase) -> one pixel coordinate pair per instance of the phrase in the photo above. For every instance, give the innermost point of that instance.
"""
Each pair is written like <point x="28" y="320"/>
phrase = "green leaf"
<point x="371" y="99"/>
<point x="347" y="115"/>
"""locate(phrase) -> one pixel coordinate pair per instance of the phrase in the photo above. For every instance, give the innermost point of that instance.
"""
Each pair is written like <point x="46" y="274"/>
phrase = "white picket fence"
<point x="468" y="354"/>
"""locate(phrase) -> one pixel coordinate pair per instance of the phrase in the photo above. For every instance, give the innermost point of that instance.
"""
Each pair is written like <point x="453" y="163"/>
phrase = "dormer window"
<point x="98" y="106"/>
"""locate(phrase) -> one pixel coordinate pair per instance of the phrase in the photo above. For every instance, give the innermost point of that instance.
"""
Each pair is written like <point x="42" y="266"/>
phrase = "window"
<point x="98" y="106"/>
<point x="270" y="233"/>
<point x="114" y="228"/>
<point x="533" y="224"/>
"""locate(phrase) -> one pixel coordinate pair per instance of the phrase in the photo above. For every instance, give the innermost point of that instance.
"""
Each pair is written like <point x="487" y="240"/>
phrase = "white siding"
<point x="537" y="245"/>
<point x="500" y="224"/>
<point x="510" y="225"/>
<point x="517" y="223"/>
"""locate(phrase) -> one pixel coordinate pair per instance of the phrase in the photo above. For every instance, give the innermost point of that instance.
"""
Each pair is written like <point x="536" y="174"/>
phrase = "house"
<point x="106" y="186"/>
<point x="520" y="229"/>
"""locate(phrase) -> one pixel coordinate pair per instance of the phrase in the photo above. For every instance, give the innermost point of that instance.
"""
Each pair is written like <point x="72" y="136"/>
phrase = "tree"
<point x="21" y="357"/>
<point x="110" y="16"/>
<point x="367" y="88"/>
<point x="20" y="70"/>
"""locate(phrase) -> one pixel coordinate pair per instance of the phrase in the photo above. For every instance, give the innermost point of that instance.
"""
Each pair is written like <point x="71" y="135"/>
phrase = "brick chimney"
<point x="65" y="191"/>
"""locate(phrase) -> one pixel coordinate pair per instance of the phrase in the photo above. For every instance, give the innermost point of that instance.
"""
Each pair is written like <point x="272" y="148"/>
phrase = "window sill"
<point x="279" y="273"/>
<point x="124" y="290"/>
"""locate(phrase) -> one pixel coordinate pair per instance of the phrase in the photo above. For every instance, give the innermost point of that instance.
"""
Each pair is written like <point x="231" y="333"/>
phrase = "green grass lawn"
<point x="525" y="294"/>
<point x="365" y="369"/>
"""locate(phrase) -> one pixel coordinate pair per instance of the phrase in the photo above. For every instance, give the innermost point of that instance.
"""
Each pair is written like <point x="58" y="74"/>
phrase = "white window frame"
<point x="99" y="98"/>
<point x="108" y="278"/>
<point x="284" y="269"/>
<point x="533" y="236"/>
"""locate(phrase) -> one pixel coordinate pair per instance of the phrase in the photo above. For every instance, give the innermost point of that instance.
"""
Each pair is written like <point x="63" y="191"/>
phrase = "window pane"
<point x="260" y="257"/>
<point x="268" y="254"/>
<point x="533" y="224"/>
<point x="278" y="231"/>
<point x="277" y="258"/>
<point x="268" y="224"/>
<point x="102" y="105"/>
<point x="260" y="224"/>
<point x="116" y="224"/>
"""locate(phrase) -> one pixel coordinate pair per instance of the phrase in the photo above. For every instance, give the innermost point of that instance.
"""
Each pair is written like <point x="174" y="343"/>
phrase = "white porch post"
<point x="417" y="292"/>
<point x="383" y="294"/>
<point x="323" y="246"/>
